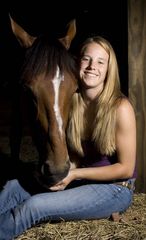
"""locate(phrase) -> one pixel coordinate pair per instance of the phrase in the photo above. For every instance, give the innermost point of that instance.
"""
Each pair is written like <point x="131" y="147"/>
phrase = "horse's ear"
<point x="22" y="36"/>
<point x="71" y="32"/>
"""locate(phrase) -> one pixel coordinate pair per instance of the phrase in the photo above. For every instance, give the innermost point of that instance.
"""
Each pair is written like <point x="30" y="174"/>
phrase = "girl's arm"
<point x="125" y="147"/>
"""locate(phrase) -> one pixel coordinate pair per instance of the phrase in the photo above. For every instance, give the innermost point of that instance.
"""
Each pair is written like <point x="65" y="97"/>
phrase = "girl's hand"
<point x="63" y="183"/>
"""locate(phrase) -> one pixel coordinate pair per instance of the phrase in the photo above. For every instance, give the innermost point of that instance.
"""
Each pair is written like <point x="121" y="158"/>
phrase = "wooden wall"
<point x="137" y="80"/>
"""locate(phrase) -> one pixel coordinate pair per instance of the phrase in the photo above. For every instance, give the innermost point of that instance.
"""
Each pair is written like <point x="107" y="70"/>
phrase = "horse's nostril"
<point x="68" y="164"/>
<point x="42" y="170"/>
<point x="52" y="169"/>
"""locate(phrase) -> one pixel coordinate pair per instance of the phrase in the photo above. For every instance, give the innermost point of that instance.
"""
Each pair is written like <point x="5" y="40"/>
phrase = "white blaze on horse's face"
<point x="56" y="84"/>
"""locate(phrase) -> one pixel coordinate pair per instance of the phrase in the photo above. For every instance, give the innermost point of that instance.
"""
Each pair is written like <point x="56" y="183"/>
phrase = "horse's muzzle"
<point x="48" y="177"/>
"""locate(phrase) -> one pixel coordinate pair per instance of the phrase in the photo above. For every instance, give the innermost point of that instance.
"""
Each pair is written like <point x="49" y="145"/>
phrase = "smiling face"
<point x="93" y="67"/>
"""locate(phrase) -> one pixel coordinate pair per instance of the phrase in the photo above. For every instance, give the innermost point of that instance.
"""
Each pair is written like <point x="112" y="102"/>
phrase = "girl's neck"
<point x="89" y="95"/>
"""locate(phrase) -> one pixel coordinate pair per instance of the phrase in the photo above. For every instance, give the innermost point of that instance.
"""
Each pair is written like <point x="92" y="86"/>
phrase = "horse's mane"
<point x="44" y="56"/>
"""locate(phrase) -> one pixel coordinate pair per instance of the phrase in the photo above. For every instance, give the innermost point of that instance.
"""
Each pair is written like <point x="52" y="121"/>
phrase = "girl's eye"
<point x="85" y="59"/>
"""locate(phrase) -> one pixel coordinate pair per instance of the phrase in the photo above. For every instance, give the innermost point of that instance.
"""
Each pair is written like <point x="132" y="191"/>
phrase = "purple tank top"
<point x="94" y="159"/>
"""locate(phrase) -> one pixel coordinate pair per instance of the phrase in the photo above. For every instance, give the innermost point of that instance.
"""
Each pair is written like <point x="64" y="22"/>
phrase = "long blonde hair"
<point x="104" y="125"/>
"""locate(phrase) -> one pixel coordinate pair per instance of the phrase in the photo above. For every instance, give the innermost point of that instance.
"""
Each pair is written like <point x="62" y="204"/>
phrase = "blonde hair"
<point x="104" y="125"/>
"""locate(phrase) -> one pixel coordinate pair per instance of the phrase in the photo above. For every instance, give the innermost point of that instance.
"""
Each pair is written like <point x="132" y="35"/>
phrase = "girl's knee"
<point x="12" y="184"/>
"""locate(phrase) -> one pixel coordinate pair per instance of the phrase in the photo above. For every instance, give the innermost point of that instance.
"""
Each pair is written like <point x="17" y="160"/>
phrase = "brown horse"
<point x="49" y="79"/>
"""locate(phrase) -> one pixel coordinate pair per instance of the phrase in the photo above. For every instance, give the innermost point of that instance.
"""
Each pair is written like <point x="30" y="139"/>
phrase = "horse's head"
<point x="49" y="73"/>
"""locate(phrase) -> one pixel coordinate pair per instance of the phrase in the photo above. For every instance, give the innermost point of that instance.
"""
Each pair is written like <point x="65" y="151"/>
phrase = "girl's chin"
<point x="87" y="84"/>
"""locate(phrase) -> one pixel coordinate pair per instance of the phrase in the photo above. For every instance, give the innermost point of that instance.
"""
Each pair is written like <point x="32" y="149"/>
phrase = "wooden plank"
<point x="137" y="80"/>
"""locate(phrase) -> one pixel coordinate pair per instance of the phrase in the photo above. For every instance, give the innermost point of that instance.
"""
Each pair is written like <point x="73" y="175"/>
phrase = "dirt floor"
<point x="132" y="225"/>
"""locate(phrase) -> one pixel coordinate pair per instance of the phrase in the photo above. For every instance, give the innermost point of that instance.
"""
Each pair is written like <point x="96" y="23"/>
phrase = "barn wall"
<point x="137" y="80"/>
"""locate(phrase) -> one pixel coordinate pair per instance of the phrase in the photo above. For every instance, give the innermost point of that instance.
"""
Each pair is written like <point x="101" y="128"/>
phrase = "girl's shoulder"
<point x="124" y="104"/>
<point x="125" y="111"/>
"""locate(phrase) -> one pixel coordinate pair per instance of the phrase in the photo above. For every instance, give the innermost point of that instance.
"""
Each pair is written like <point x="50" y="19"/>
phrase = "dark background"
<point x="107" y="18"/>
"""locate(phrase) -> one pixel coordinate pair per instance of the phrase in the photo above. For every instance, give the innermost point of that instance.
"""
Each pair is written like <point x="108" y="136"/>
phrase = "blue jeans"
<point x="19" y="211"/>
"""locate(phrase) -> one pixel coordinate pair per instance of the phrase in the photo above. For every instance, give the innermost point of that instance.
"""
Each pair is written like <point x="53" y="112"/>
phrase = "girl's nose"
<point x="92" y="65"/>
